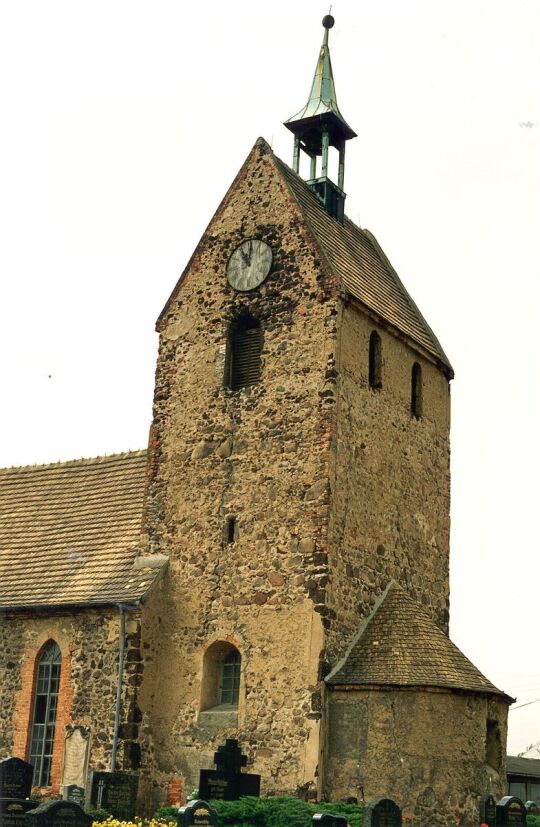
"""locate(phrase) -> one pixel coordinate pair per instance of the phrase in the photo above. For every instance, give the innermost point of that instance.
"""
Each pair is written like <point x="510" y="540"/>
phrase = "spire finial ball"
<point x="328" y="21"/>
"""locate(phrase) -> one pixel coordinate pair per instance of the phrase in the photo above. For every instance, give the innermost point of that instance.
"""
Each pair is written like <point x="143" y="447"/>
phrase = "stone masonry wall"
<point x="424" y="748"/>
<point x="390" y="484"/>
<point x="88" y="679"/>
<point x="259" y="455"/>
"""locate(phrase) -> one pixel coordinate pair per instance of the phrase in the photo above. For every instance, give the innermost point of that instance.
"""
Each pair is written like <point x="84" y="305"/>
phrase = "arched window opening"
<point x="221" y="677"/>
<point x="416" y="391"/>
<point x="243" y="366"/>
<point x="47" y="682"/>
<point x="375" y="369"/>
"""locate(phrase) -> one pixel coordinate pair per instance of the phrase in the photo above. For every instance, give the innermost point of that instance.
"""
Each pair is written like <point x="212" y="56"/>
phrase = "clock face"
<point x="249" y="264"/>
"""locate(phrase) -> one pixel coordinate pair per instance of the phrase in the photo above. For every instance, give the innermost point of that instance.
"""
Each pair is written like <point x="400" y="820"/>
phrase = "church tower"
<point x="298" y="481"/>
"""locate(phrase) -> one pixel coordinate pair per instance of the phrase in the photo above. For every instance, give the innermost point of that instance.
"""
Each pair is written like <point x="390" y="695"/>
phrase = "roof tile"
<point x="70" y="532"/>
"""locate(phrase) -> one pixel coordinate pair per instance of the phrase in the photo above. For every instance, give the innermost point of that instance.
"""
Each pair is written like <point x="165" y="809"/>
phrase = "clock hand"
<point x="245" y="258"/>
<point x="250" y="252"/>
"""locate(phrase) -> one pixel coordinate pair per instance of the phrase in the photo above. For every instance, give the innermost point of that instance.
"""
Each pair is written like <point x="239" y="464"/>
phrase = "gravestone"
<point x="328" y="820"/>
<point x="13" y="811"/>
<point x="76" y="752"/>
<point x="197" y="814"/>
<point x="72" y="792"/>
<point x="58" y="814"/>
<point x="116" y="792"/>
<point x="15" y="778"/>
<point x="227" y="781"/>
<point x="532" y="808"/>
<point x="487" y="810"/>
<point x="381" y="812"/>
<point x="510" y="810"/>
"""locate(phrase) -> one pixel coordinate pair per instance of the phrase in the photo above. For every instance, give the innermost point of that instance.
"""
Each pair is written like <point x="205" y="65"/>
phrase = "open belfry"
<point x="275" y="567"/>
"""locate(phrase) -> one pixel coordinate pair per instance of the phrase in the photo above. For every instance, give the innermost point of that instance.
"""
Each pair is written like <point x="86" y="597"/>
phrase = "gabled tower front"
<point x="299" y="463"/>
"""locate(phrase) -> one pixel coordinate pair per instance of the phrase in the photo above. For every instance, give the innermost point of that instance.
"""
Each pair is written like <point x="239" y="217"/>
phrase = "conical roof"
<point x="399" y="645"/>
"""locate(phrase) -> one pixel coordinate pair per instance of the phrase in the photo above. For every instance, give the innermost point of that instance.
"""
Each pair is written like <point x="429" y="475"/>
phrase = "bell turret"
<point x="320" y="125"/>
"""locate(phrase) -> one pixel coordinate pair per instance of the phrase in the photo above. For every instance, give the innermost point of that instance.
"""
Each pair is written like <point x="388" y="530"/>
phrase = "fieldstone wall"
<point x="390" y="482"/>
<point x="261" y="456"/>
<point x="88" y="680"/>
<point x="425" y="748"/>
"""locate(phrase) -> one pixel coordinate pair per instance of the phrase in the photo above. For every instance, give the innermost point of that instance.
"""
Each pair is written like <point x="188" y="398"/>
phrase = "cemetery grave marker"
<point x="58" y="814"/>
<point x="510" y="810"/>
<point x="13" y="811"/>
<point x="116" y="792"/>
<point x="72" y="792"/>
<point x="487" y="810"/>
<point x="381" y="812"/>
<point x="227" y="781"/>
<point x="532" y="808"/>
<point x="328" y="820"/>
<point x="197" y="814"/>
<point x="15" y="778"/>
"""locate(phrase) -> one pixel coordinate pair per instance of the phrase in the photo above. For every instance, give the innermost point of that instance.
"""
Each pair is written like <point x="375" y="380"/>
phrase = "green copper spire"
<point x="320" y="125"/>
<point x="322" y="98"/>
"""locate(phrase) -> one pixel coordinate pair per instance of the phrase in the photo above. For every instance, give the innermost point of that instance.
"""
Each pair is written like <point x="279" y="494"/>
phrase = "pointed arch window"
<point x="416" y="391"/>
<point x="47" y="682"/>
<point x="244" y="353"/>
<point x="375" y="362"/>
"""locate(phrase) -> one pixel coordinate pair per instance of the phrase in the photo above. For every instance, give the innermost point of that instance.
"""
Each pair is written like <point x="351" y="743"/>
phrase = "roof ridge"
<point x="82" y="461"/>
<point x="387" y="297"/>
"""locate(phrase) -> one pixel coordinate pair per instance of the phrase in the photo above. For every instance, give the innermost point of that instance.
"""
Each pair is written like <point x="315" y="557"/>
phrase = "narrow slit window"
<point x="244" y="354"/>
<point x="416" y="391"/>
<point x="375" y="369"/>
<point x="44" y="714"/>
<point x="231" y="530"/>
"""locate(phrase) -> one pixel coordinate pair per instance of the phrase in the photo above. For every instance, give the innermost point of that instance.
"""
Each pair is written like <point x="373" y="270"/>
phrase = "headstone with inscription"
<point x="510" y="810"/>
<point x="328" y="820"/>
<point x="532" y="808"/>
<point x="15" y="778"/>
<point x="76" y="751"/>
<point x="227" y="781"/>
<point x="381" y="812"/>
<point x="71" y="792"/>
<point x="58" y="814"/>
<point x="13" y="811"/>
<point x="486" y="810"/>
<point x="115" y="792"/>
<point x="197" y="814"/>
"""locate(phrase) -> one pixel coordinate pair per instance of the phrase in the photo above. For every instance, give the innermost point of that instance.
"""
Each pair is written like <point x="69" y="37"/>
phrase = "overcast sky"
<point x="123" y="124"/>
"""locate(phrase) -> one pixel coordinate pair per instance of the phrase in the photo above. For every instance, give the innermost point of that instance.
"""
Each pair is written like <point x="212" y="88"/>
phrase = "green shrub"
<point x="97" y="813"/>
<point x="277" y="811"/>
<point x="533" y="821"/>
<point x="166" y="813"/>
<point x="274" y="811"/>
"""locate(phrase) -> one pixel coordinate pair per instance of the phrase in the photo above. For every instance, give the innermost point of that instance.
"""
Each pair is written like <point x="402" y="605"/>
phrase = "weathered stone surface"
<point x="416" y="743"/>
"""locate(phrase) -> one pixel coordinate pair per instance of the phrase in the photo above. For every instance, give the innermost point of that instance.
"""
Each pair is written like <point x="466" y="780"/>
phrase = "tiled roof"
<point x="523" y="766"/>
<point x="400" y="645"/>
<point x="357" y="260"/>
<point x="69" y="532"/>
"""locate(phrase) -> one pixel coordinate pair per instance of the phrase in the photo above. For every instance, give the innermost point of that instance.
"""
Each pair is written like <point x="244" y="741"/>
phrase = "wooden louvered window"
<point x="375" y="369"/>
<point x="416" y="391"/>
<point x="244" y="354"/>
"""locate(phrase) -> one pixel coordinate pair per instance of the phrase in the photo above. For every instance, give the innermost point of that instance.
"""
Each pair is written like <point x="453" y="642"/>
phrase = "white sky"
<point x="123" y="124"/>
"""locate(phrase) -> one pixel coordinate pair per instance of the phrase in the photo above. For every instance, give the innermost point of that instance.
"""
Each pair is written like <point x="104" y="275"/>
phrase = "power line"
<point x="527" y="704"/>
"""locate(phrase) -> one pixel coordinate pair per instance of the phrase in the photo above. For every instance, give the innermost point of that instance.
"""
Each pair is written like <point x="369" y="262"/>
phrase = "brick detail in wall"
<point x="24" y="706"/>
<point x="175" y="792"/>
